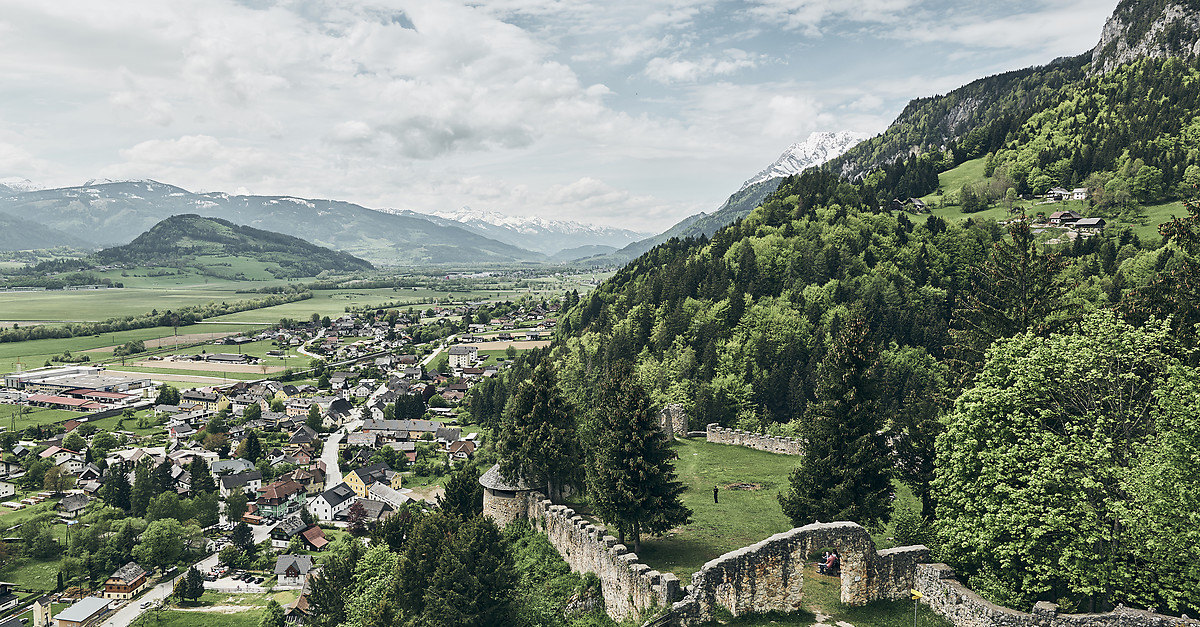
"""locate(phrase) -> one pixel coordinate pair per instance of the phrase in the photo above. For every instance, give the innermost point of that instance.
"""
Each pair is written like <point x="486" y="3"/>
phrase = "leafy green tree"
<point x="253" y="411"/>
<point x="1031" y="468"/>
<point x="205" y="508"/>
<point x="915" y="393"/>
<point x="74" y="442"/>
<point x="327" y="587"/>
<point x="229" y="555"/>
<point x="102" y="443"/>
<point x="167" y="505"/>
<point x="537" y="440"/>
<point x="57" y="480"/>
<point x="235" y="506"/>
<point x="251" y="448"/>
<point x="463" y="494"/>
<point x="167" y="395"/>
<point x="161" y="544"/>
<point x="368" y="600"/>
<point x="845" y="472"/>
<point x="632" y="480"/>
<point x="278" y="406"/>
<point x="272" y="615"/>
<point x="474" y="579"/>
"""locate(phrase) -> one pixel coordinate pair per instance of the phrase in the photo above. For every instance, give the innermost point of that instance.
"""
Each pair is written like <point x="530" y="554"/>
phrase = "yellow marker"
<point x="915" y="595"/>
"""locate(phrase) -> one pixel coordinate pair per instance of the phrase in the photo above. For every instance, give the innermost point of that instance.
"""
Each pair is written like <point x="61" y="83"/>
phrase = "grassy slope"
<point x="971" y="172"/>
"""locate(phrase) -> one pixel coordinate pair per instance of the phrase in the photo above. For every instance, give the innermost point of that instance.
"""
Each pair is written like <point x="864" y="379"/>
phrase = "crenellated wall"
<point x="629" y="586"/>
<point x="768" y="576"/>
<point x="772" y="444"/>
<point x="943" y="593"/>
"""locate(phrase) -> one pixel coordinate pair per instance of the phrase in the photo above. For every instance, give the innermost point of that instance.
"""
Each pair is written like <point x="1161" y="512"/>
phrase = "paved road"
<point x="329" y="455"/>
<point x="441" y="347"/>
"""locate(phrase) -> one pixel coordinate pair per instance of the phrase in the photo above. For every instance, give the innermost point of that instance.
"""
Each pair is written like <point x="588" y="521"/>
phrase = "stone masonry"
<point x="772" y="444"/>
<point x="673" y="421"/>
<point x="768" y="576"/>
<point x="628" y="586"/>
<point x="943" y="593"/>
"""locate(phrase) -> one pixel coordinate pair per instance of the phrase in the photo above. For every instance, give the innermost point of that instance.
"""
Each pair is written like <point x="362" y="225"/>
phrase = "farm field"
<point x="12" y="417"/>
<point x="34" y="353"/>
<point x="94" y="305"/>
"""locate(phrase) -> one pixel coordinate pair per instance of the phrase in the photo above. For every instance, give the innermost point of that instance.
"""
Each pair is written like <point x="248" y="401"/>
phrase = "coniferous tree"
<point x="537" y="440"/>
<point x="201" y="479"/>
<point x="142" y="491"/>
<point x="845" y="472"/>
<point x="115" y="490"/>
<point x="251" y="447"/>
<point x="473" y="581"/>
<point x="327" y="587"/>
<point x="419" y="560"/>
<point x="314" y="421"/>
<point x="632" y="480"/>
<point x="463" y="494"/>
<point x="1019" y="288"/>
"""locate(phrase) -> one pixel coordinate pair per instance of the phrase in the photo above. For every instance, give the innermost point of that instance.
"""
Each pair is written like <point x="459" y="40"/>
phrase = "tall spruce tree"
<point x="463" y="494"/>
<point x="632" y="480"/>
<point x="845" y="473"/>
<point x="142" y="491"/>
<point x="1020" y="288"/>
<point x="473" y="581"/>
<point x="537" y="440"/>
<point x="202" y="479"/>
<point x="115" y="490"/>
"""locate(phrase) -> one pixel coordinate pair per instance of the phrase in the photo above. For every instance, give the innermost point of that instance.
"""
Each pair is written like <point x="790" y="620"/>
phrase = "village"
<point x="373" y="426"/>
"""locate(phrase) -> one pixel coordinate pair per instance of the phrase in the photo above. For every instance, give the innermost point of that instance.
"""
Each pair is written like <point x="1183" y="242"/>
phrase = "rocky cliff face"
<point x="1154" y="28"/>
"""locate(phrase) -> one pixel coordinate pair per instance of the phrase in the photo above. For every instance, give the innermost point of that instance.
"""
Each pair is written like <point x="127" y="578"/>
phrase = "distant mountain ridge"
<point x="113" y="213"/>
<point x="817" y="149"/>
<point x="189" y="239"/>
<point x="549" y="237"/>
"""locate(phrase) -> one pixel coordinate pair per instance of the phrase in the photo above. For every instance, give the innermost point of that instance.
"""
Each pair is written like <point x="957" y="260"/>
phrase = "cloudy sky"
<point x="631" y="113"/>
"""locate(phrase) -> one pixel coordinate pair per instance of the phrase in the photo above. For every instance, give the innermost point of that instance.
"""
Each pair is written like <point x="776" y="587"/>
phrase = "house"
<point x="73" y="505"/>
<point x="313" y="480"/>
<point x="303" y="435"/>
<point x="279" y="498"/>
<point x="1090" y="224"/>
<point x="1079" y="193"/>
<point x="291" y="570"/>
<point x="314" y="538"/>
<point x="127" y="582"/>
<point x="71" y="462"/>
<point x="8" y="596"/>
<point x="447" y="435"/>
<point x="41" y="611"/>
<point x="283" y="533"/>
<point x="462" y="450"/>
<point x="1064" y="217"/>
<point x="370" y="440"/>
<point x="9" y="467"/>
<point x="383" y="493"/>
<point x="327" y="504"/>
<point x="249" y="481"/>
<point x="1058" y="193"/>
<point x="198" y="399"/>
<point x="83" y="612"/>
<point x="373" y="510"/>
<point x="360" y="480"/>
<point x="463" y="356"/>
<point x="227" y="466"/>
<point x="7" y="489"/>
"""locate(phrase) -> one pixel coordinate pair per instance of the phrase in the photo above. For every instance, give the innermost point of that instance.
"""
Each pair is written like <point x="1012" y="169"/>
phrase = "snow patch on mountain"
<point x="531" y="225"/>
<point x="817" y="149"/>
<point x="19" y="185"/>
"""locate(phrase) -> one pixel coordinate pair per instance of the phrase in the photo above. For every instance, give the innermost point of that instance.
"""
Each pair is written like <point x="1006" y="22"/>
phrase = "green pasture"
<point x="13" y="417"/>
<point x="34" y="353"/>
<point x="742" y="517"/>
<point x="194" y="618"/>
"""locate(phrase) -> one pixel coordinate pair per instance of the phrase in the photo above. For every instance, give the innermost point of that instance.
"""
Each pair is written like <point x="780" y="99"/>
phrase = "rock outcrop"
<point x="1140" y="29"/>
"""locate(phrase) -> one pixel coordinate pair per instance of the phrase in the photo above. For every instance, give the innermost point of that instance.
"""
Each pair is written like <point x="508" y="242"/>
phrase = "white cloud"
<point x="809" y="15"/>
<point x="676" y="70"/>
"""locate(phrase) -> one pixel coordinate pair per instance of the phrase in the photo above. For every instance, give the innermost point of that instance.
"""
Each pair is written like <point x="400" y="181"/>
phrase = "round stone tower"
<point x="503" y="500"/>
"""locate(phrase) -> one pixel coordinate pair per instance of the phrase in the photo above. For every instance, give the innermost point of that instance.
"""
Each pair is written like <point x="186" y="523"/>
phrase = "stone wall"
<point x="943" y="593"/>
<point x="768" y="576"/>
<point x="771" y="444"/>
<point x="673" y="421"/>
<point x="629" y="586"/>
<point x="505" y="506"/>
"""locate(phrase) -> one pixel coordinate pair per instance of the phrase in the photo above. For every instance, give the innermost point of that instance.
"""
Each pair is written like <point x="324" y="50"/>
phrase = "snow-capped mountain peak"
<point x="539" y="234"/>
<point x="19" y="185"/>
<point x="817" y="149"/>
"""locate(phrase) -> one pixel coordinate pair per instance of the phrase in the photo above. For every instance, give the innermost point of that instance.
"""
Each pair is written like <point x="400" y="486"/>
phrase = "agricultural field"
<point x="15" y="418"/>
<point x="34" y="353"/>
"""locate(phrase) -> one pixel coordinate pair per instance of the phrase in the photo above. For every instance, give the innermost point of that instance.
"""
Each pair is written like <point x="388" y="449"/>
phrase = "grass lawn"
<point x="743" y="517"/>
<point x="110" y="423"/>
<point x="183" y="618"/>
<point x="12" y="419"/>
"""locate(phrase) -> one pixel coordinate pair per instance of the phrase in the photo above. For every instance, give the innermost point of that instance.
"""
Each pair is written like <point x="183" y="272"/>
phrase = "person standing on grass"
<point x="714" y="494"/>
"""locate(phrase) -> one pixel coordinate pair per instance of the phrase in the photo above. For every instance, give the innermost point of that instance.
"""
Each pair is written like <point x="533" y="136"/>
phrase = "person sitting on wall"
<point x="821" y="564"/>
<point x="833" y="565"/>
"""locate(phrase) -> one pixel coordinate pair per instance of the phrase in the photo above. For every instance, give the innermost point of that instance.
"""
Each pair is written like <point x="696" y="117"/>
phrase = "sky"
<point x="626" y="113"/>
